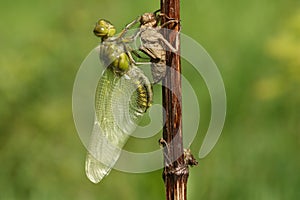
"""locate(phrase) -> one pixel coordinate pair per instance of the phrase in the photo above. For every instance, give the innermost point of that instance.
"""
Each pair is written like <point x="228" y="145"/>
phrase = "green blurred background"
<point x="256" y="45"/>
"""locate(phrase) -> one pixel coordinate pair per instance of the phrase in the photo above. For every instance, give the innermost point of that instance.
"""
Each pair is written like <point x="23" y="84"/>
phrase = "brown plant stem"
<point x="176" y="171"/>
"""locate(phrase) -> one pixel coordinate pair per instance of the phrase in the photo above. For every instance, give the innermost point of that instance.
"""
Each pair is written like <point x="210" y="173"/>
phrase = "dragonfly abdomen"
<point x="144" y="99"/>
<point x="143" y="88"/>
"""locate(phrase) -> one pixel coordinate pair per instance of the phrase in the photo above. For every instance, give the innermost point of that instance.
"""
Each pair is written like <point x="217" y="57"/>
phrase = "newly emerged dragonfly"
<point x="123" y="95"/>
<point x="153" y="43"/>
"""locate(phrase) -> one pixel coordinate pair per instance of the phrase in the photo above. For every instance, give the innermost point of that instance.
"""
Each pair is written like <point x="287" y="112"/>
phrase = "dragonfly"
<point x="122" y="96"/>
<point x="153" y="43"/>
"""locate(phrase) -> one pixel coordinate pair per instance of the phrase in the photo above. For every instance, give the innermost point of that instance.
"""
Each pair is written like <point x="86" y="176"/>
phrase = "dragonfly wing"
<point x="117" y="113"/>
<point x="101" y="156"/>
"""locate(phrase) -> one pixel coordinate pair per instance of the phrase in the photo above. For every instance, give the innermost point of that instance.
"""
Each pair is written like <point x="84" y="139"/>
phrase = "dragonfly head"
<point x="104" y="29"/>
<point x="148" y="20"/>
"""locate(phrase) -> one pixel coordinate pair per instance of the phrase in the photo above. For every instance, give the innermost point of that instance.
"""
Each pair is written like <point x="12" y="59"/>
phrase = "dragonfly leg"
<point x="128" y="26"/>
<point x="170" y="22"/>
<point x="149" y="52"/>
<point x="134" y="62"/>
<point x="155" y="12"/>
<point x="134" y="52"/>
<point x="167" y="43"/>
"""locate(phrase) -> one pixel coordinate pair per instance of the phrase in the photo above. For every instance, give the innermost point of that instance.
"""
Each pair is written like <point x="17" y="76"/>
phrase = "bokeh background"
<point x="256" y="45"/>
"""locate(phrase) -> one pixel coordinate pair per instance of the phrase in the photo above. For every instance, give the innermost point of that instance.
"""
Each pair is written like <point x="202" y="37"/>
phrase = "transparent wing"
<point x="119" y="107"/>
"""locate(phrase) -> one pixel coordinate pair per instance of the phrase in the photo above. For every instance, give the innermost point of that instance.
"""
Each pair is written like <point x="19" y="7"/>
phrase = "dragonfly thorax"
<point x="113" y="55"/>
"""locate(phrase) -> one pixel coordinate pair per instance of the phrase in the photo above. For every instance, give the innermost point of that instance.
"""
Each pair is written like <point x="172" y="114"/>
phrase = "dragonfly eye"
<point x="104" y="28"/>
